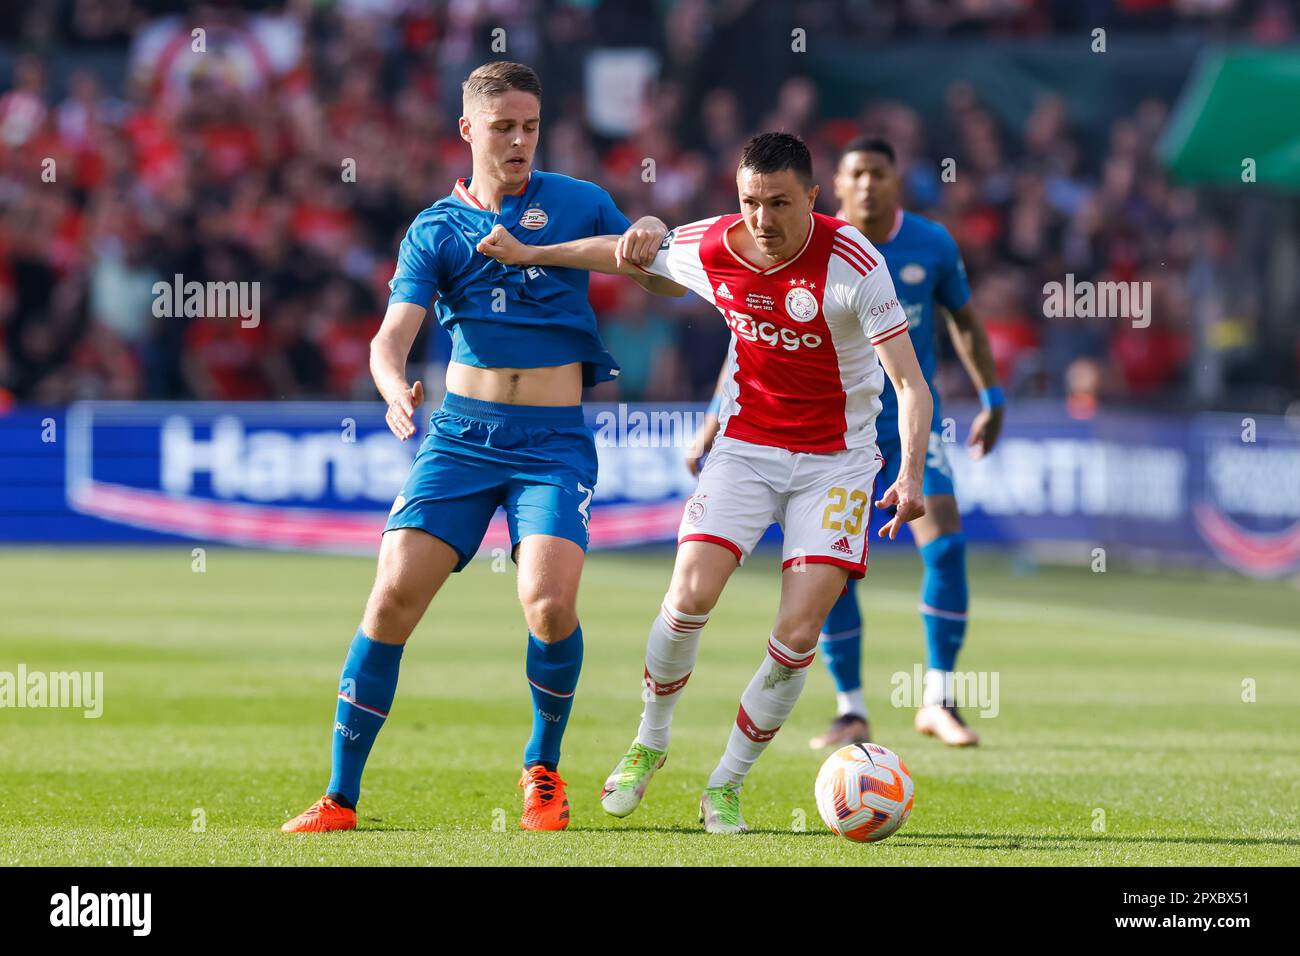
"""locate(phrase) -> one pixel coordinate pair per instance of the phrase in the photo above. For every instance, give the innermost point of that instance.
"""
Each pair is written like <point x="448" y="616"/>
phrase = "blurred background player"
<point x="926" y="267"/>
<point x="510" y="433"/>
<point x="813" y="317"/>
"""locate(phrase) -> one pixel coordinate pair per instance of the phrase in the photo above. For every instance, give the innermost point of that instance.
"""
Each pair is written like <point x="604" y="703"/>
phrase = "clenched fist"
<point x="640" y="244"/>
<point x="500" y="245"/>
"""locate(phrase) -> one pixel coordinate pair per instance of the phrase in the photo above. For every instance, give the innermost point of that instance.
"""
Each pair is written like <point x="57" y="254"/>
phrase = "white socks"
<point x="764" y="707"/>
<point x="850" y="702"/>
<point x="669" y="659"/>
<point x="938" y="688"/>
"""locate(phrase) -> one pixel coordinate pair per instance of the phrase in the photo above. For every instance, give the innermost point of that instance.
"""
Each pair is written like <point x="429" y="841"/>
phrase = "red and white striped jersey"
<point x="802" y="370"/>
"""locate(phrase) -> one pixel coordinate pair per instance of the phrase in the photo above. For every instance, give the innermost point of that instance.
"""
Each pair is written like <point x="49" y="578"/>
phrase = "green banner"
<point x="1238" y="121"/>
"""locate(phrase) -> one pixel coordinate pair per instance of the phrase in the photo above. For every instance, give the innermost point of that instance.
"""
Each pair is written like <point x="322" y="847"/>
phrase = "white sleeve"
<point x="870" y="291"/>
<point x="679" y="258"/>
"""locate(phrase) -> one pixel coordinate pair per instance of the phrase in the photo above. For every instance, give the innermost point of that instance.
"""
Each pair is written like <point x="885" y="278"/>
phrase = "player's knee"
<point x="800" y="636"/>
<point x="942" y="512"/>
<point x="689" y="598"/>
<point x="392" y="611"/>
<point x="550" y="617"/>
<point x="694" y="590"/>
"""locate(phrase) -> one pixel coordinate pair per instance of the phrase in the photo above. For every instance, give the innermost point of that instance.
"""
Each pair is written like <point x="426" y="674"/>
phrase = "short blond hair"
<point x="493" y="79"/>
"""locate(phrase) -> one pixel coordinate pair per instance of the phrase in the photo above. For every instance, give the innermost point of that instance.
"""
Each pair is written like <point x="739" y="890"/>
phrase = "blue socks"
<point x="943" y="612"/>
<point x="366" y="689"/>
<point x="369" y="682"/>
<point x="943" y="600"/>
<point x="552" y="671"/>
<point x="841" y="641"/>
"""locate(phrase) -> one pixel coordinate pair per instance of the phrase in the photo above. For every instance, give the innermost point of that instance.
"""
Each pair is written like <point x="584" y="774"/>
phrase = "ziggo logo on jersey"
<point x="769" y="333"/>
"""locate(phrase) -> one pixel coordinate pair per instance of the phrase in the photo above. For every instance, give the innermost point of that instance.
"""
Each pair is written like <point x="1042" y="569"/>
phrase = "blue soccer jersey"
<point x="538" y="462"/>
<point x="926" y="267"/>
<point x="503" y="316"/>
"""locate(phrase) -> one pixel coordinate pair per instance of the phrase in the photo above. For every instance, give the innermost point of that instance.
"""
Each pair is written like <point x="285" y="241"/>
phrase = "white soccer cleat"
<point x="626" y="786"/>
<point x="935" y="720"/>
<point x="720" y="810"/>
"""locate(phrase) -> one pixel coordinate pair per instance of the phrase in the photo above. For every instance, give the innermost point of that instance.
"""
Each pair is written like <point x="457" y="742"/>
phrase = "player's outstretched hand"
<point x="500" y="245"/>
<point x="640" y="244"/>
<point x="905" y="497"/>
<point x="984" y="432"/>
<point x="401" y="411"/>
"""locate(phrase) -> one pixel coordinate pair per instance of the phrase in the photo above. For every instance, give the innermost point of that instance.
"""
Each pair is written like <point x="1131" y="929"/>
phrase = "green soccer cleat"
<point x="625" y="787"/>
<point x="720" y="809"/>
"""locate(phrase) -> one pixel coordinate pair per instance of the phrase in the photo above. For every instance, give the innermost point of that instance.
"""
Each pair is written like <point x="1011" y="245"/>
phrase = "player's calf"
<point x="670" y="653"/>
<point x="549" y="571"/>
<point x="764" y="706"/>
<point x="412" y="567"/>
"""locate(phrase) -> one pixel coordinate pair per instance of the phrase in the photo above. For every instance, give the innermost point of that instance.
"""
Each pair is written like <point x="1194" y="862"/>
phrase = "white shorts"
<point x="821" y="501"/>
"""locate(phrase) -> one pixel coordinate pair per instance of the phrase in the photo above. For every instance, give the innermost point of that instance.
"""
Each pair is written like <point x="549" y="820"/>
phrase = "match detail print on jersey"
<point x="804" y="375"/>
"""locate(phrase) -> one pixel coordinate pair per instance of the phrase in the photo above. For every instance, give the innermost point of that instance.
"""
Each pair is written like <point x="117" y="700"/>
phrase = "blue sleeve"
<point x="419" y="264"/>
<point x="610" y="220"/>
<point x="952" y="290"/>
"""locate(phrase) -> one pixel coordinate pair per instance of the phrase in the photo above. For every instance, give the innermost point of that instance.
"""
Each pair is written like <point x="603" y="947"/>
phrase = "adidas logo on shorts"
<point x="842" y="546"/>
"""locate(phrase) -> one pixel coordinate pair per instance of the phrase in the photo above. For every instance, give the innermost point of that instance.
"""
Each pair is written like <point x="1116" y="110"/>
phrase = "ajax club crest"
<point x="800" y="304"/>
<point x="695" y="509"/>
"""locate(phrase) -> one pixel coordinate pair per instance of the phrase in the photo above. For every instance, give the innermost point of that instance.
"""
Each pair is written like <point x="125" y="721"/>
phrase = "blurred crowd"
<point x="298" y="156"/>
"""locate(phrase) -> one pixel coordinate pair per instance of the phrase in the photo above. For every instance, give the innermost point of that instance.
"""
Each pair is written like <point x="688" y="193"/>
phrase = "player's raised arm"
<point x="388" y="353"/>
<point x="627" y="254"/>
<point x="592" y="254"/>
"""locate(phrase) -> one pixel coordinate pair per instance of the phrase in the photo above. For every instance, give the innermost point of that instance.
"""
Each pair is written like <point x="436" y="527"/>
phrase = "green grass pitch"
<point x="1120" y="703"/>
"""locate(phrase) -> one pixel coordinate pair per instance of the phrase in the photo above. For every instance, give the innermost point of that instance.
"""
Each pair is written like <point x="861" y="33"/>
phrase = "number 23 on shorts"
<point x="841" y="500"/>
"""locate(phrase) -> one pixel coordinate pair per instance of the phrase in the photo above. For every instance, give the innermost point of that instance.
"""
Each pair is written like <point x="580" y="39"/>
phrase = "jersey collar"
<point x="769" y="270"/>
<point x="898" y="224"/>
<point x="461" y="192"/>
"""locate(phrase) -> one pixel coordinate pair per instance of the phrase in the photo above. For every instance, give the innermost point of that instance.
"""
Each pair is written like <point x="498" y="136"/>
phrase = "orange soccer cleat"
<point x="546" y="805"/>
<point x="322" y="816"/>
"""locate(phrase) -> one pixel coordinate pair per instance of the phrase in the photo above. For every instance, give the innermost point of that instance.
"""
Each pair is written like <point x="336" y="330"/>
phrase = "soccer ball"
<point x="864" y="792"/>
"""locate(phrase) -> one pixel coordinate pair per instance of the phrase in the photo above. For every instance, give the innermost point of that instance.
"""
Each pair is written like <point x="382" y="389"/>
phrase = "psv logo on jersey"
<point x="534" y="218"/>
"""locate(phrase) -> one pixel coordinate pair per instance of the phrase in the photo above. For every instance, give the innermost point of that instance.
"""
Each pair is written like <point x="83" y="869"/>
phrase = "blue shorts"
<point x="538" y="462"/>
<point x="937" y="479"/>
